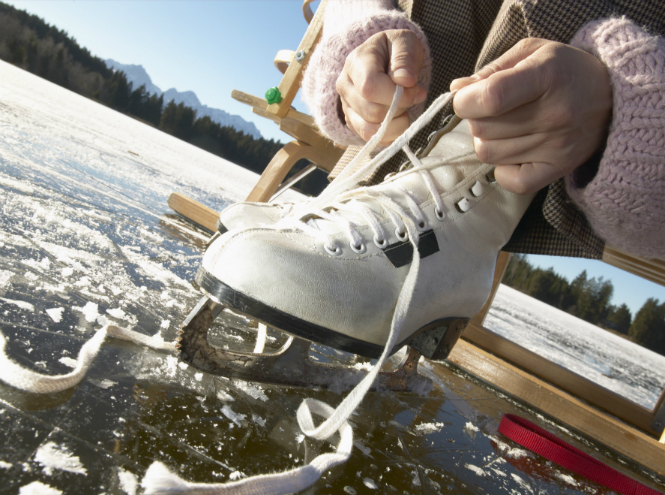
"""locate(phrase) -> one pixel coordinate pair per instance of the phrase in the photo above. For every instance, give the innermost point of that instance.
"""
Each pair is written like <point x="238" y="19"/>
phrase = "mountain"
<point x="137" y="75"/>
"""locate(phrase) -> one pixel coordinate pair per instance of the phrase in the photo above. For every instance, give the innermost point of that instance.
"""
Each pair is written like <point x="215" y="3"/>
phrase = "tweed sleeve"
<point x="348" y="24"/>
<point x="625" y="200"/>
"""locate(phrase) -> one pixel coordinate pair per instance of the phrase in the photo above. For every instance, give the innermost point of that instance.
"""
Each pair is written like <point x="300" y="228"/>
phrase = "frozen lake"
<point x="86" y="237"/>
<point x="607" y="359"/>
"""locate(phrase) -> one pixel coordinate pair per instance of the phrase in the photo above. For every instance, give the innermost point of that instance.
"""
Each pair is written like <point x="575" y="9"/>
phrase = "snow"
<point x="55" y="314"/>
<point x="38" y="488"/>
<point x="53" y="456"/>
<point x="20" y="304"/>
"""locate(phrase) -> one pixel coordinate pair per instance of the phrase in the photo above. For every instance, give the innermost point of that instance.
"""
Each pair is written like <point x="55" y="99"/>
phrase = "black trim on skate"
<point x="401" y="253"/>
<point x="273" y="317"/>
<point x="220" y="227"/>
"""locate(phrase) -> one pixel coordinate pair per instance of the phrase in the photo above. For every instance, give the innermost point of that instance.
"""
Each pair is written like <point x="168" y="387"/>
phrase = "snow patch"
<point x="369" y="483"/>
<point x="55" y="314"/>
<point x="5" y="277"/>
<point x="90" y="311"/>
<point x="38" y="488"/>
<point x="20" y="304"/>
<point x="471" y="427"/>
<point x="430" y="427"/>
<point x="258" y="420"/>
<point x="117" y="313"/>
<point x="128" y="482"/>
<point x="252" y="390"/>
<point x="5" y="465"/>
<point x="475" y="469"/>
<point x="67" y="361"/>
<point x="53" y="456"/>
<point x="236" y="418"/>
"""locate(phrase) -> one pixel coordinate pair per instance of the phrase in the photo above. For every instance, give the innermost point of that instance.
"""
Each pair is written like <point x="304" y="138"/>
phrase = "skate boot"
<point x="334" y="275"/>
<point x="245" y="214"/>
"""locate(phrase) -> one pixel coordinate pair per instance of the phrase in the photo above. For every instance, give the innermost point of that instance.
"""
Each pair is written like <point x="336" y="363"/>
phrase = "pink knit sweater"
<point x="625" y="201"/>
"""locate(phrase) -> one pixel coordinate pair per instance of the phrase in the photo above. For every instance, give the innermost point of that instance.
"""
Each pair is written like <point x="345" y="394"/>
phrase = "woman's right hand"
<point x="367" y="83"/>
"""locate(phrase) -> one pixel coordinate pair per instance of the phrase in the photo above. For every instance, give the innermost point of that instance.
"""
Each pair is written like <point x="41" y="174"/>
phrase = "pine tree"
<point x="620" y="317"/>
<point x="648" y="328"/>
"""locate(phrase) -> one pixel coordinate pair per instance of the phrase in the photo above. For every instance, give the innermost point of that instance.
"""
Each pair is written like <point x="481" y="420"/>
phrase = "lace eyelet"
<point x="401" y="236"/>
<point x="358" y="249"/>
<point x="440" y="216"/>
<point x="380" y="243"/>
<point x="422" y="226"/>
<point x="337" y="251"/>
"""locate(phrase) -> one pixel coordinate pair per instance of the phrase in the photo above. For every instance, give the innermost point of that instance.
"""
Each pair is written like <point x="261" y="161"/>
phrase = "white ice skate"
<point x="338" y="270"/>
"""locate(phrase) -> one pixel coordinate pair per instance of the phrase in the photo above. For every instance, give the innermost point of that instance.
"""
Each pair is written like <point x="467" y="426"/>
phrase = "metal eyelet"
<point x="401" y="236"/>
<point x="490" y="177"/>
<point x="358" y="249"/>
<point x="440" y="216"/>
<point x="300" y="55"/>
<point x="380" y="244"/>
<point x="422" y="226"/>
<point x="333" y="252"/>
<point x="477" y="189"/>
<point x="463" y="205"/>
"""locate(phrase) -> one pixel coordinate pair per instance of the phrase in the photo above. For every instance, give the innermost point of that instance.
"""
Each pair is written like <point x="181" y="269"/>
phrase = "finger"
<point x="526" y="178"/>
<point x="371" y="112"/>
<point x="406" y="57"/>
<point x="501" y="92"/>
<point x="520" y="51"/>
<point x="532" y="118"/>
<point x="366" y="129"/>
<point x="366" y="72"/>
<point x="523" y="149"/>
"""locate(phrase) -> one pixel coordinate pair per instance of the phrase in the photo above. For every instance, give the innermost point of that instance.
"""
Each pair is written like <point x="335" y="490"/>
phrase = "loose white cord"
<point x="30" y="381"/>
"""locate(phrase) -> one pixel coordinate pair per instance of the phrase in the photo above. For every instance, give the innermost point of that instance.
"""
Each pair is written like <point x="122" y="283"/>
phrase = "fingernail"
<point x="403" y="73"/>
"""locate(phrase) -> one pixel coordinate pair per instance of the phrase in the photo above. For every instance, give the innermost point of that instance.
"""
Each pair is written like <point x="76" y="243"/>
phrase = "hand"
<point x="367" y="83"/>
<point x="538" y="112"/>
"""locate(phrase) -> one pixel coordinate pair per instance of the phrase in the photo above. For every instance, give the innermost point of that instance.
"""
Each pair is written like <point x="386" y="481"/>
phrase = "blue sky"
<point x="212" y="47"/>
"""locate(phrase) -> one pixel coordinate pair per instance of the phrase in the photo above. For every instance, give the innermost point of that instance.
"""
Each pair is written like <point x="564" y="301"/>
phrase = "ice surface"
<point x="85" y="224"/>
<point x="607" y="359"/>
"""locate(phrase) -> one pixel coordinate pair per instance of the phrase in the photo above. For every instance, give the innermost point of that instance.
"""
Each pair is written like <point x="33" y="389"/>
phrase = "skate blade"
<point x="290" y="365"/>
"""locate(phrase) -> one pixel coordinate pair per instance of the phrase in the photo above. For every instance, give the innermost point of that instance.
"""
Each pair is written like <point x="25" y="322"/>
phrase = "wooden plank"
<point x="306" y="134"/>
<point x="194" y="211"/>
<point x="563" y="378"/>
<point x="260" y="107"/>
<point x="650" y="269"/>
<point x="558" y="404"/>
<point x="290" y="83"/>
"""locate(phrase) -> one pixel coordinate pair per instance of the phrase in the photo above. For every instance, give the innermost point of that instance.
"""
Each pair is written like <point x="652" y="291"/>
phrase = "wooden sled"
<point x="620" y="424"/>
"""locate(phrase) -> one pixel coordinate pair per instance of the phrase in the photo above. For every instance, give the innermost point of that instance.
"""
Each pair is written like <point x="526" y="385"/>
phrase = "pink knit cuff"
<point x="625" y="201"/>
<point x="327" y="62"/>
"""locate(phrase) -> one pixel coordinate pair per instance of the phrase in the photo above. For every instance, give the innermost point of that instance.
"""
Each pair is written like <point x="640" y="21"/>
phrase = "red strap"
<point x="550" y="447"/>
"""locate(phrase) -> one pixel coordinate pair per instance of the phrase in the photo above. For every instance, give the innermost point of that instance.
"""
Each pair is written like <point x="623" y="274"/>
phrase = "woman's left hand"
<point x="537" y="112"/>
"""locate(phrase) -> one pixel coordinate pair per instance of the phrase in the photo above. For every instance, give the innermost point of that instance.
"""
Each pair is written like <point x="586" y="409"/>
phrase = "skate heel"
<point x="436" y="340"/>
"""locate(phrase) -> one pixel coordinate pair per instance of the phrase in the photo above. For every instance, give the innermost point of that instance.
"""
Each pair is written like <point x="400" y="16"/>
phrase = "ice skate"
<point x="335" y="271"/>
<point x="247" y="214"/>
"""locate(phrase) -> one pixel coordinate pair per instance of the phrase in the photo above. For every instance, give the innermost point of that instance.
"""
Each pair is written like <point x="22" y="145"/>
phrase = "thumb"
<point x="406" y="58"/>
<point x="520" y="51"/>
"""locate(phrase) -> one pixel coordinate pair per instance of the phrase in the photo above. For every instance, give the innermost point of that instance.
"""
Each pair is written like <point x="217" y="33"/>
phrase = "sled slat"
<point x="194" y="211"/>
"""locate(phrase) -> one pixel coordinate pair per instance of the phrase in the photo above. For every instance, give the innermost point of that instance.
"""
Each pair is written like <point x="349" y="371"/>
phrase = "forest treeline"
<point x="30" y="43"/>
<point x="589" y="299"/>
